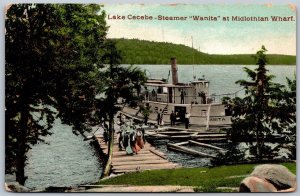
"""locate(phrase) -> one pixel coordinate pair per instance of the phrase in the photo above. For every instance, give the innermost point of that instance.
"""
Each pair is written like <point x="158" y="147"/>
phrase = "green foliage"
<point x="122" y="85"/>
<point x="83" y="30"/>
<point x="145" y="111"/>
<point x="57" y="62"/>
<point x="53" y="53"/>
<point x="287" y="112"/>
<point x="207" y="179"/>
<point x="148" y="52"/>
<point x="232" y="155"/>
<point x="262" y="112"/>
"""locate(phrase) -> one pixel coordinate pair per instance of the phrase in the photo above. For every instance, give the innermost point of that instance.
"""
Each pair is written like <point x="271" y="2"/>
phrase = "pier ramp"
<point x="147" y="158"/>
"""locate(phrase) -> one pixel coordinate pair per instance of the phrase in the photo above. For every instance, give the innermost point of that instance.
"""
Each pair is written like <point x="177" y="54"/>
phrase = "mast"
<point x="193" y="59"/>
<point x="194" y="72"/>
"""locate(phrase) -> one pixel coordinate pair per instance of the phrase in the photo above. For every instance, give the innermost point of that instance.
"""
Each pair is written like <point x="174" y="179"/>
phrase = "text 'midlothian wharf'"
<point x="262" y="19"/>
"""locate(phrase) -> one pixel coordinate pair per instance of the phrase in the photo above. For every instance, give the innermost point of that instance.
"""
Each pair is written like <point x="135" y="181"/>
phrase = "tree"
<point x="145" y="110"/>
<point x="122" y="86"/>
<point x="287" y="114"/>
<point x="256" y="115"/>
<point x="233" y="155"/>
<point x="53" y="54"/>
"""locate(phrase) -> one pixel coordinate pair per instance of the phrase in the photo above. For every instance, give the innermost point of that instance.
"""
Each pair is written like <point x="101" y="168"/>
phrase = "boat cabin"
<point x="195" y="92"/>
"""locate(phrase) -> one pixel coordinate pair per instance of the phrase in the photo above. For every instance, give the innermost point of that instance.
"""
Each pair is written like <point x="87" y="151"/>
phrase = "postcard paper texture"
<point x="150" y="98"/>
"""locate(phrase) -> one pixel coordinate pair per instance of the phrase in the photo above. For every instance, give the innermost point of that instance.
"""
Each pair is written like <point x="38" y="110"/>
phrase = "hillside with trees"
<point x="136" y="51"/>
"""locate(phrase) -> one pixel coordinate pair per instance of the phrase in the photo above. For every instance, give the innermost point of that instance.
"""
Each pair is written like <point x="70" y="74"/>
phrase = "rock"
<point x="255" y="184"/>
<point x="16" y="187"/>
<point x="7" y="188"/>
<point x="269" y="178"/>
<point x="278" y="175"/>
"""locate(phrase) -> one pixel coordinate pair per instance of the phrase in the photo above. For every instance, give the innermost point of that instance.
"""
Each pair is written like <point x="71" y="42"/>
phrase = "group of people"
<point x="153" y="94"/>
<point x="131" y="140"/>
<point x="173" y="118"/>
<point x="159" y="118"/>
<point x="159" y="90"/>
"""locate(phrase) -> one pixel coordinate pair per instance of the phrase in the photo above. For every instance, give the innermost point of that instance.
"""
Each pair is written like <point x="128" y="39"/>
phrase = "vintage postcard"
<point x="150" y="98"/>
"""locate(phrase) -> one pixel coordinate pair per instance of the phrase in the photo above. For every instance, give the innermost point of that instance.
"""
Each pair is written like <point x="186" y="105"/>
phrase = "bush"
<point x="232" y="155"/>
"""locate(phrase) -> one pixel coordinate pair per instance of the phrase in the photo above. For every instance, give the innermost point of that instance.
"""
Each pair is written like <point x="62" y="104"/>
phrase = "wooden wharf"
<point x="173" y="133"/>
<point x="147" y="158"/>
<point x="180" y="148"/>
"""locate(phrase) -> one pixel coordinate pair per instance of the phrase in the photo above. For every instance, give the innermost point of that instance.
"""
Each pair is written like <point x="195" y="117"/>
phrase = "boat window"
<point x="165" y="89"/>
<point x="203" y="112"/>
<point x="159" y="90"/>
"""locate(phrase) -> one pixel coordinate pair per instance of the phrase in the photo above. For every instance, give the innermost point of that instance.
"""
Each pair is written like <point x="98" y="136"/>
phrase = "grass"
<point x="206" y="179"/>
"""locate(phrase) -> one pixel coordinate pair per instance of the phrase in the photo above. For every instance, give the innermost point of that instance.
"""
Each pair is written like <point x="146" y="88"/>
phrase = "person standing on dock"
<point x="172" y="118"/>
<point x="127" y="139"/>
<point x="121" y="133"/>
<point x="122" y="119"/>
<point x="105" y="132"/>
<point x="159" y="117"/>
<point x="187" y="120"/>
<point x="146" y="94"/>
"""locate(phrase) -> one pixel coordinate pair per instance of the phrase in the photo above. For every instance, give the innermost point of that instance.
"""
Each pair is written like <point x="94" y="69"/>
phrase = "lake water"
<point x="65" y="161"/>
<point x="68" y="160"/>
<point x="222" y="77"/>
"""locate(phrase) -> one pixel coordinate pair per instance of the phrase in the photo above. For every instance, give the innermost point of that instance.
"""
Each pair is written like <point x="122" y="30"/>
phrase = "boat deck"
<point x="147" y="158"/>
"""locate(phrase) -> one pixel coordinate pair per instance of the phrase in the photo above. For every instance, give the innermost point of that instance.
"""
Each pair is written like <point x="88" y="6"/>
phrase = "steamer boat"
<point x="181" y="98"/>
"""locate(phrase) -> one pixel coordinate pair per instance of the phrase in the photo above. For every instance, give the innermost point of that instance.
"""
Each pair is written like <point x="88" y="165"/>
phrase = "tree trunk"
<point x="257" y="146"/>
<point x="107" y="167"/>
<point x="21" y="151"/>
<point x="259" y="140"/>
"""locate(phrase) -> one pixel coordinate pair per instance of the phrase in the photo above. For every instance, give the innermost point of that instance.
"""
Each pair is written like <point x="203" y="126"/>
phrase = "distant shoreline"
<point x="134" y="51"/>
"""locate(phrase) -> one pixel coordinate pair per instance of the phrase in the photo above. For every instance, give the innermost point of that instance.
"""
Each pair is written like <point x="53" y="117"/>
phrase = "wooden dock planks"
<point x="147" y="158"/>
<point x="188" y="151"/>
<point x="185" y="134"/>
<point x="207" y="145"/>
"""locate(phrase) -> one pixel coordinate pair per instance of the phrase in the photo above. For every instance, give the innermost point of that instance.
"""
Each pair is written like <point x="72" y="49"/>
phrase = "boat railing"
<point x="218" y="98"/>
<point x="175" y="99"/>
<point x="189" y="99"/>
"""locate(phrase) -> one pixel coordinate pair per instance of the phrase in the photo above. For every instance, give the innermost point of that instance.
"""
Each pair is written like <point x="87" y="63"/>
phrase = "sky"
<point x="213" y="37"/>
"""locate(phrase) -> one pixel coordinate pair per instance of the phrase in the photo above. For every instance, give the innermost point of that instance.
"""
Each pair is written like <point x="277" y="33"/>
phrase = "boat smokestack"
<point x="174" y="70"/>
